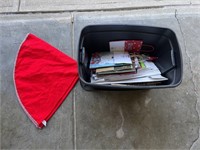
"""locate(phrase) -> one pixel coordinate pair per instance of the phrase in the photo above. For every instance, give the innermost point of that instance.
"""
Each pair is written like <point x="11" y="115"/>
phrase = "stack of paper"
<point x="111" y="63"/>
<point x="109" y="59"/>
<point x="148" y="72"/>
<point x="115" y="70"/>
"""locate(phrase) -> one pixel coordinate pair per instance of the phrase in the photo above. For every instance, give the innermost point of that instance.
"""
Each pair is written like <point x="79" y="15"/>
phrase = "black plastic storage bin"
<point x="97" y="37"/>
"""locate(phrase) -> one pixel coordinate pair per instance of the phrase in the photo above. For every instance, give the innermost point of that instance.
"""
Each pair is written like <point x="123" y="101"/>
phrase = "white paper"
<point x="117" y="46"/>
<point x="122" y="58"/>
<point x="137" y="80"/>
<point x="149" y="74"/>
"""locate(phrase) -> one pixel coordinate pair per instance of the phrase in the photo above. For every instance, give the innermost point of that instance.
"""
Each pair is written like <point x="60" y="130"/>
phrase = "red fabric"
<point x="43" y="77"/>
<point x="133" y="46"/>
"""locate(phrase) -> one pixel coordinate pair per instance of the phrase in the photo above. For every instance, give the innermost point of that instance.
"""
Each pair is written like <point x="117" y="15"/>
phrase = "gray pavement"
<point x="153" y="119"/>
<point x="9" y="5"/>
<point x="68" y="5"/>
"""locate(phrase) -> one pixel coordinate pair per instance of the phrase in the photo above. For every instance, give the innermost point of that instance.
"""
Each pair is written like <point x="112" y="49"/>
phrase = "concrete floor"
<point x="86" y="5"/>
<point x="152" y="119"/>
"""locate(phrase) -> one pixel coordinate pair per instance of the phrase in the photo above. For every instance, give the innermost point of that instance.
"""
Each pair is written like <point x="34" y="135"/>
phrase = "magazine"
<point x="109" y="59"/>
<point x="148" y="74"/>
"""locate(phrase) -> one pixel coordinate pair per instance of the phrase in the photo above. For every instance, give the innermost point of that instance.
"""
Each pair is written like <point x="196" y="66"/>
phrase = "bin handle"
<point x="172" y="58"/>
<point x="173" y="63"/>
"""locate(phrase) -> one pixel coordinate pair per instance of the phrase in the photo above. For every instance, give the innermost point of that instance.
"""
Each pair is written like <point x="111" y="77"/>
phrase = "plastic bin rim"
<point x="84" y="29"/>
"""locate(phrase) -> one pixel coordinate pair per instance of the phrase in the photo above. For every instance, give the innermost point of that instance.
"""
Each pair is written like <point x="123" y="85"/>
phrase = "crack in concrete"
<point x="72" y="34"/>
<point x="194" y="86"/>
<point x="19" y="4"/>
<point x="74" y="119"/>
<point x="120" y="132"/>
<point x="74" y="91"/>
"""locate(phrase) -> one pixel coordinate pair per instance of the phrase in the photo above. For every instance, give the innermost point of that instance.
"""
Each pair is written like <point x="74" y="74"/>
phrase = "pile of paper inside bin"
<point x="127" y="62"/>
